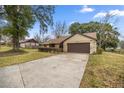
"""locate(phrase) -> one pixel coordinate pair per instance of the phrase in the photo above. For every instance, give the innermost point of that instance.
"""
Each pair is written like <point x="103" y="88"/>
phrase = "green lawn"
<point x="7" y="57"/>
<point x="106" y="70"/>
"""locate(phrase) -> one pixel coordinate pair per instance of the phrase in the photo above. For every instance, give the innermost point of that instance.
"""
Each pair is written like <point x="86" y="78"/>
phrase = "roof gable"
<point x="91" y="34"/>
<point x="62" y="39"/>
<point x="78" y="38"/>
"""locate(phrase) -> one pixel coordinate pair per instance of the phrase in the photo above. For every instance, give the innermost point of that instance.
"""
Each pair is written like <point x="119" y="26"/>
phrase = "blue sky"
<point x="84" y="14"/>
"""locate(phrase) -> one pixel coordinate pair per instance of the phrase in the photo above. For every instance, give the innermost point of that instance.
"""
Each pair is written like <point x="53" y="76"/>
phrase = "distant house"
<point x="85" y="43"/>
<point x="2" y="42"/>
<point x="29" y="43"/>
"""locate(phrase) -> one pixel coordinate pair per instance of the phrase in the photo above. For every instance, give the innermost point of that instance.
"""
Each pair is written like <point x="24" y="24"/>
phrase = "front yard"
<point x="106" y="70"/>
<point x="7" y="57"/>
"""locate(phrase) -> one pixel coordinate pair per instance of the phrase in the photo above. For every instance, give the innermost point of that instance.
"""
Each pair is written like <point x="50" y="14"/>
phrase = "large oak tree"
<point x="21" y="18"/>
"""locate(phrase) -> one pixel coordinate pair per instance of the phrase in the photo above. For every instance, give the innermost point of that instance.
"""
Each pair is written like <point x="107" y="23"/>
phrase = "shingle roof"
<point x="28" y="40"/>
<point x="57" y="40"/>
<point x="91" y="34"/>
<point x="61" y="39"/>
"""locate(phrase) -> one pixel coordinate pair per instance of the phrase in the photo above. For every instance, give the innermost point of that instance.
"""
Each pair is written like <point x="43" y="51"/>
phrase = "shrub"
<point x="99" y="51"/>
<point x="50" y="49"/>
<point x="110" y="50"/>
<point x="119" y="51"/>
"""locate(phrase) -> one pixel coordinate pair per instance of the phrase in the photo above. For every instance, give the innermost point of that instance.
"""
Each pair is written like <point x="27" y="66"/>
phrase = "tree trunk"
<point x="104" y="47"/>
<point x="16" y="42"/>
<point x="0" y="40"/>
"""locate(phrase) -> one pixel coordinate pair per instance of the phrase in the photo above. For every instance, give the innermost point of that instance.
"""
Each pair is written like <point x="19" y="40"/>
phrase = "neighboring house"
<point x="2" y="42"/>
<point x="77" y="43"/>
<point x="29" y="43"/>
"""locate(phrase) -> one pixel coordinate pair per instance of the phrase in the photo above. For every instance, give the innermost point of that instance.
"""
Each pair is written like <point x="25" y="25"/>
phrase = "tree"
<point x="2" y="24"/>
<point x="44" y="14"/>
<point x="84" y="27"/>
<point x="47" y="38"/>
<point x="37" y="37"/>
<point x="122" y="44"/>
<point x="74" y="28"/>
<point x="0" y="38"/>
<point x="21" y="18"/>
<point x="107" y="35"/>
<point x="60" y="29"/>
<point x="40" y="39"/>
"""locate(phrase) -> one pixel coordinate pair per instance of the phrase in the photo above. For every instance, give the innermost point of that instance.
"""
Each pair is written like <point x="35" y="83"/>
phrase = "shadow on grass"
<point x="12" y="53"/>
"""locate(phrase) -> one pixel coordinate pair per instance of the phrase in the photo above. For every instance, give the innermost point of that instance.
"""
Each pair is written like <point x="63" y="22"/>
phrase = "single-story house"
<point x="78" y="43"/>
<point x="2" y="42"/>
<point x="29" y="43"/>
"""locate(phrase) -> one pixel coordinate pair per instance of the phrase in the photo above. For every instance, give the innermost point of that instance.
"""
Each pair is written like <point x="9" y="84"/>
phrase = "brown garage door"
<point x="79" y="47"/>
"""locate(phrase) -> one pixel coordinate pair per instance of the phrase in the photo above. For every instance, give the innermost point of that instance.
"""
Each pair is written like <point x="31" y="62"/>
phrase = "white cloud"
<point x="113" y="12"/>
<point x="86" y="9"/>
<point x="5" y="21"/>
<point x="100" y="14"/>
<point x="117" y="12"/>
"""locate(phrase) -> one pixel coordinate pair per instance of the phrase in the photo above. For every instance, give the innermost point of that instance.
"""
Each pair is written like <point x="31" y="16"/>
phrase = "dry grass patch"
<point x="106" y="70"/>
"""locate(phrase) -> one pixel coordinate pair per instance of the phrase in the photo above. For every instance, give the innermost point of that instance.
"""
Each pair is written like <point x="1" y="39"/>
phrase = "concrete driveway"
<point x="63" y="70"/>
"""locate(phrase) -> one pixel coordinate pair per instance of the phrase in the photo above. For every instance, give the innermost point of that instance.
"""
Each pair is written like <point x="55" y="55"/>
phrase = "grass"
<point x="8" y="57"/>
<point x="119" y="51"/>
<point x="106" y="70"/>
